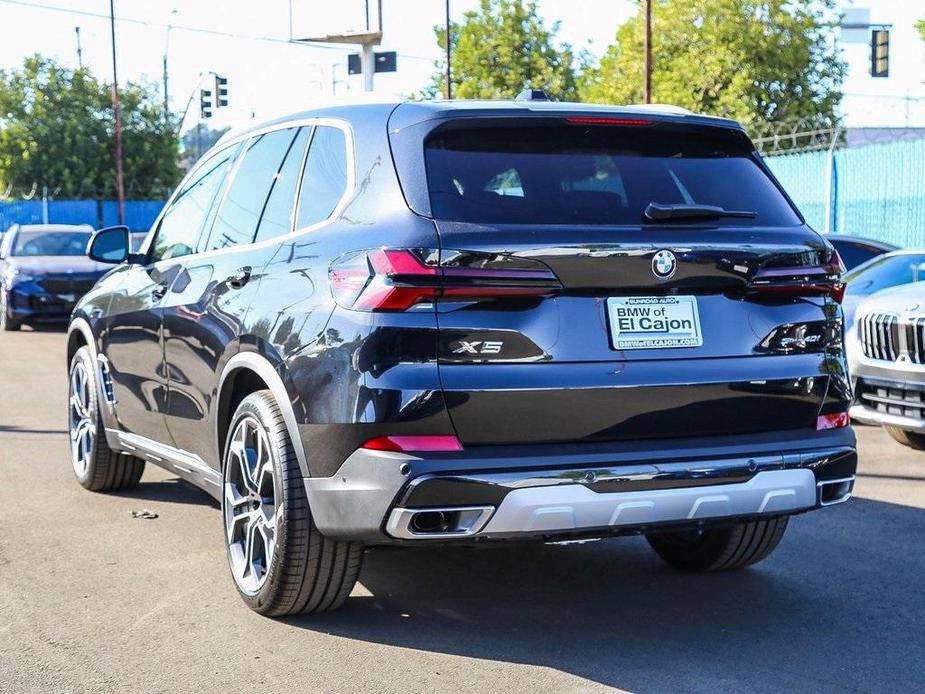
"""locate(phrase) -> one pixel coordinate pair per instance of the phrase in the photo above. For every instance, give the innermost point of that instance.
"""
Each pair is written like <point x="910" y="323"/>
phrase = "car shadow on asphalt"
<point x="901" y="478"/>
<point x="174" y="491"/>
<point x="49" y="327"/>
<point x="14" y="429"/>
<point x="814" y="616"/>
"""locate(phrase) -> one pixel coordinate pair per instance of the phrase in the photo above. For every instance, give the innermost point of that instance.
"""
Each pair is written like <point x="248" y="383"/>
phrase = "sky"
<point x="270" y="77"/>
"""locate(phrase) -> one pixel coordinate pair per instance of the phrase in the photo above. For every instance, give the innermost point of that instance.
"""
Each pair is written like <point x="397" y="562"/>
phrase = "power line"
<point x="189" y="28"/>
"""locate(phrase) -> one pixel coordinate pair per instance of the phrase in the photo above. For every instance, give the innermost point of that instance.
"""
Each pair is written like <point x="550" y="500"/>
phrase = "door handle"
<point x="240" y="278"/>
<point x="160" y="290"/>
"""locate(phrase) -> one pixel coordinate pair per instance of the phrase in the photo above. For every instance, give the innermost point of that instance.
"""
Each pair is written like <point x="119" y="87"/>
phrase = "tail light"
<point x="836" y="420"/>
<point x="820" y="280"/>
<point x="397" y="279"/>
<point x="412" y="444"/>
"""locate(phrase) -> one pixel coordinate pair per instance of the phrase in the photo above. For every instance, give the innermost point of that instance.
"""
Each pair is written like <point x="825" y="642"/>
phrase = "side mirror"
<point x="110" y="245"/>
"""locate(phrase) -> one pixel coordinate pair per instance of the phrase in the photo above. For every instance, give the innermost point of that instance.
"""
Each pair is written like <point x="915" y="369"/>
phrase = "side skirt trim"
<point x="189" y="466"/>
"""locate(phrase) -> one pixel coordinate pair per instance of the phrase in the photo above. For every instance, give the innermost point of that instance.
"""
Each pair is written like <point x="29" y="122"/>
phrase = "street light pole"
<point x="449" y="81"/>
<point x="117" y="117"/>
<point x="165" y="75"/>
<point x="648" y="53"/>
<point x="166" y="98"/>
<point x="80" y="53"/>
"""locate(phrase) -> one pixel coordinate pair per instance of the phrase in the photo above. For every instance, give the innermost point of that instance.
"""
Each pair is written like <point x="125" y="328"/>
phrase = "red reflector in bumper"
<point x="832" y="421"/>
<point x="410" y="444"/>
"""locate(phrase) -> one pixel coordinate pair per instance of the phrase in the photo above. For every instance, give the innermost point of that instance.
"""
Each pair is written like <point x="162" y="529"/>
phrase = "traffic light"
<point x="205" y="103"/>
<point x="880" y="53"/>
<point x="221" y="91"/>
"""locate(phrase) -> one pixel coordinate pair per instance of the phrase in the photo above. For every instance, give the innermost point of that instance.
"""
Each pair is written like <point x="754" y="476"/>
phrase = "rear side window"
<point x="243" y="204"/>
<point x="325" y="179"/>
<point x="179" y="227"/>
<point x="598" y="175"/>
<point x="277" y="216"/>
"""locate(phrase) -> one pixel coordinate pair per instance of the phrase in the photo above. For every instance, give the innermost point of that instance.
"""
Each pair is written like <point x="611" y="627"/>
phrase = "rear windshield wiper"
<point x="657" y="212"/>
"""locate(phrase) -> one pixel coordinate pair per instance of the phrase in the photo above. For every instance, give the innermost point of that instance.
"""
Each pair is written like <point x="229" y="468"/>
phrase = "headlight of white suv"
<point x="17" y="276"/>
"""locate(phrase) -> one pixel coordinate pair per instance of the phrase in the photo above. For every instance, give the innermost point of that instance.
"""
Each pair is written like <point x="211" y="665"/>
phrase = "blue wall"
<point x="139" y="214"/>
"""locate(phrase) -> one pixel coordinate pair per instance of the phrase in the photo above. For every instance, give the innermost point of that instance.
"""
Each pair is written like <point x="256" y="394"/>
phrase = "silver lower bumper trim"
<point x="541" y="510"/>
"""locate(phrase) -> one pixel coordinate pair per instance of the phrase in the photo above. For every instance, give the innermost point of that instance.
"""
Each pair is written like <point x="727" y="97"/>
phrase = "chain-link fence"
<point x="864" y="181"/>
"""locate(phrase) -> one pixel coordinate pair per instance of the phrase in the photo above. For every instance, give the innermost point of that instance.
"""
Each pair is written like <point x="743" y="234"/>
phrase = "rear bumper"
<point x="589" y="490"/>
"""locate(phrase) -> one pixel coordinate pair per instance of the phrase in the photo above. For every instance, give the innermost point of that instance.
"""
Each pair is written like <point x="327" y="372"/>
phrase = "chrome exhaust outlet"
<point x="436" y="523"/>
<point x="431" y="522"/>
<point x="831" y="492"/>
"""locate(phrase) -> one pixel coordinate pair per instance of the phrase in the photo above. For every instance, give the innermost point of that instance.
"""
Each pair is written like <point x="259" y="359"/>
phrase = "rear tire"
<point x="280" y="562"/>
<point x="96" y="466"/>
<point x="719" y="549"/>
<point x="911" y="439"/>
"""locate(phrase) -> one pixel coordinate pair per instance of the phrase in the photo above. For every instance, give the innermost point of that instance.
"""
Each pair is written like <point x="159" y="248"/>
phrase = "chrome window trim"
<point x="351" y="176"/>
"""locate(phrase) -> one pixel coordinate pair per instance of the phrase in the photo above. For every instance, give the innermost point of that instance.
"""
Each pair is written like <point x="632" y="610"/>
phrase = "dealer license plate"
<point x="654" y="322"/>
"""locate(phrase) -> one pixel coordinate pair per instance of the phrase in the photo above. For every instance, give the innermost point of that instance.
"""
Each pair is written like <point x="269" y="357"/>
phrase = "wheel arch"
<point x="80" y="334"/>
<point x="243" y="374"/>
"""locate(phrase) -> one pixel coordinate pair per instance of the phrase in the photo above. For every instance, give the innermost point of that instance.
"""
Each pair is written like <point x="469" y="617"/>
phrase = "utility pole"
<point x="449" y="80"/>
<point x="80" y="53"/>
<point x="648" y="53"/>
<point x="117" y="117"/>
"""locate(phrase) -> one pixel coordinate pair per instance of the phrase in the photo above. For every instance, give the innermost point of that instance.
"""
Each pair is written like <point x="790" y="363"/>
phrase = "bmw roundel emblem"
<point x="664" y="264"/>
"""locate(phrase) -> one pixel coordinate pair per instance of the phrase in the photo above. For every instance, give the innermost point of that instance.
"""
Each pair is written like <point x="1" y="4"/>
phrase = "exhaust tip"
<point x="423" y="523"/>
<point x="431" y="522"/>
<point x="833" y="492"/>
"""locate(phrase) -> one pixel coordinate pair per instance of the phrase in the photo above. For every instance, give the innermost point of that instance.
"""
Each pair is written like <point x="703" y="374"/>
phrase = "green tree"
<point x="759" y="61"/>
<point x="500" y="49"/>
<point x="56" y="131"/>
<point x="920" y="25"/>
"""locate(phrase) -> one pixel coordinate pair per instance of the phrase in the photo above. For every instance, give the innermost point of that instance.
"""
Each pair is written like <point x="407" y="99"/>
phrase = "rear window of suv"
<point x="597" y="175"/>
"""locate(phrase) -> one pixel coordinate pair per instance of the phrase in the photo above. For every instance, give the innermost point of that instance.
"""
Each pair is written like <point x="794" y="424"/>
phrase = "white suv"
<point x="886" y="351"/>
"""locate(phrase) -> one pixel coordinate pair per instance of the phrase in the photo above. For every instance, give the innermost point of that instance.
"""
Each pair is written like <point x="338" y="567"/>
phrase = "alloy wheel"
<point x="80" y="419"/>
<point x="249" y="505"/>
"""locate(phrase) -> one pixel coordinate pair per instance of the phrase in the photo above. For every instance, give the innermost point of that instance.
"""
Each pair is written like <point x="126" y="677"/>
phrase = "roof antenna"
<point x="530" y="94"/>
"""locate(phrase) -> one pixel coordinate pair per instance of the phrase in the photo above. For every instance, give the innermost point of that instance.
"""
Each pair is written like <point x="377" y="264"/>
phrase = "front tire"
<point x="719" y="549"/>
<point x="6" y="323"/>
<point x="96" y="466"/>
<point x="911" y="439"/>
<point x="280" y="562"/>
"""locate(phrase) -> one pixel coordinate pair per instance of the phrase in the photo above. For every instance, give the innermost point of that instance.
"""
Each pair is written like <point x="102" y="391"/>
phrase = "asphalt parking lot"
<point x="92" y="599"/>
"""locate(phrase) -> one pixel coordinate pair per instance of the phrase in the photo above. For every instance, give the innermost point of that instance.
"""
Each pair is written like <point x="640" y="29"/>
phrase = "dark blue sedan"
<point x="44" y="270"/>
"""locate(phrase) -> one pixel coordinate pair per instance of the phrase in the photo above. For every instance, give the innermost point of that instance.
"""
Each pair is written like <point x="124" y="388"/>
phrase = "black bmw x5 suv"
<point x="470" y="322"/>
